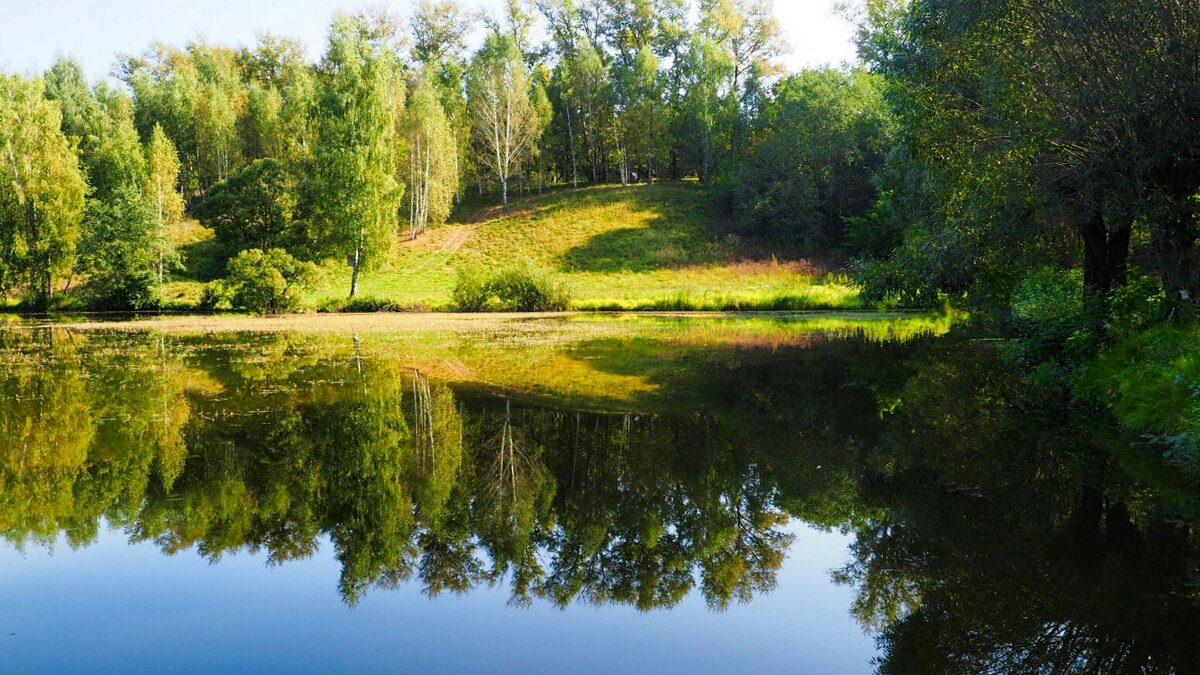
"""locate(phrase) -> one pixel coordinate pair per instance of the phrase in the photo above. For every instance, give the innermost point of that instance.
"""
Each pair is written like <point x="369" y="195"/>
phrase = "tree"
<point x="438" y="29"/>
<point x="432" y="171"/>
<point x="353" y="190"/>
<point x="162" y="177"/>
<point x="705" y="66"/>
<point x="254" y="208"/>
<point x="119" y="251"/>
<point x="42" y="195"/>
<point x="1077" y="117"/>
<point x="591" y="95"/>
<point x="504" y="119"/>
<point x="823" y="139"/>
<point x="749" y="35"/>
<point x="646" y="110"/>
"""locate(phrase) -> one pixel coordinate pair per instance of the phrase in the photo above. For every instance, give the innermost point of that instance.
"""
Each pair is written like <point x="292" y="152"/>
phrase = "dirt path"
<point x="456" y="239"/>
<point x="447" y="239"/>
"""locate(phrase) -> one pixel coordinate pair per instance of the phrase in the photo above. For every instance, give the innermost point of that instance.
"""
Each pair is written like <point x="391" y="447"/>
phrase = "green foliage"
<point x="504" y="119"/>
<point x="471" y="292"/>
<point x="42" y="195"/>
<point x="213" y="296"/>
<point x="1137" y="304"/>
<point x="352" y="188"/>
<point x="1151" y="381"/>
<point x="267" y="283"/>
<point x="1049" y="296"/>
<point x="119" y="252"/>
<point x="364" y="303"/>
<point x="254" y="208"/>
<point x="825" y="135"/>
<point x="517" y="289"/>
<point x="432" y="166"/>
<point x="522" y="290"/>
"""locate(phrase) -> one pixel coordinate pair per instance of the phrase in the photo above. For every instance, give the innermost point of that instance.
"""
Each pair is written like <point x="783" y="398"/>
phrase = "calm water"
<point x="595" y="495"/>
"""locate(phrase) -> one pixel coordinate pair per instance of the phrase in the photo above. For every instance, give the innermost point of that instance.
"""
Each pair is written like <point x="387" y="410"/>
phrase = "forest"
<point x="398" y="123"/>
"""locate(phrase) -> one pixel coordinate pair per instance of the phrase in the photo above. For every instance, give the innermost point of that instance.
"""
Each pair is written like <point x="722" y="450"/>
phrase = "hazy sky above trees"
<point x="33" y="33"/>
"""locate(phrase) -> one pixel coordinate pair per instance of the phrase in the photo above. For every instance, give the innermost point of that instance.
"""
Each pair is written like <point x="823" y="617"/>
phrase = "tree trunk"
<point x="504" y="188"/>
<point x="357" y="264"/>
<point x="571" y="142"/>
<point x="1105" y="256"/>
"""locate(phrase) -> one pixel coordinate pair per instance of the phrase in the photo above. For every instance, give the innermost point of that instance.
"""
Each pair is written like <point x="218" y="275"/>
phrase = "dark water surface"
<point x="815" y="494"/>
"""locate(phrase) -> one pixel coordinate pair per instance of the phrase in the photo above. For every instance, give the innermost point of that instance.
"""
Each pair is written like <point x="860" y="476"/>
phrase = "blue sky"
<point x="33" y="33"/>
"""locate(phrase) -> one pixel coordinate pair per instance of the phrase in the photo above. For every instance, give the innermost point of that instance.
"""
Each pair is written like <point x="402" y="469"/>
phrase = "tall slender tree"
<point x="162" y="179"/>
<point x="505" y="121"/>
<point x="353" y="188"/>
<point x="432" y="171"/>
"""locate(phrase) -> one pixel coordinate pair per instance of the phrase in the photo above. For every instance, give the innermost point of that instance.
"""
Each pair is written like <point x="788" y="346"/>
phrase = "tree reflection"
<point x="993" y="532"/>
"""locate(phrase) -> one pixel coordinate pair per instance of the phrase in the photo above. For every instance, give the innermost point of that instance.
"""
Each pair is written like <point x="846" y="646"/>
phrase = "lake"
<point x="827" y="493"/>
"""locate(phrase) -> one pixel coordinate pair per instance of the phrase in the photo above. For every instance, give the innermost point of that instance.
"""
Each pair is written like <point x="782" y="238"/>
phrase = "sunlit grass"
<point x="615" y="248"/>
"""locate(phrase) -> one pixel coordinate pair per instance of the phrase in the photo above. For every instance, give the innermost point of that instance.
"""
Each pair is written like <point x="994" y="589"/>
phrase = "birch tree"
<point x="432" y="169"/>
<point x="505" y="122"/>
<point x="42" y="193"/>
<point x="162" y="177"/>
<point x="353" y="185"/>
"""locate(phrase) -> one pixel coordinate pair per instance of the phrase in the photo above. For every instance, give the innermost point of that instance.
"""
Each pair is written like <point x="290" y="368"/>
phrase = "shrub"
<point x="1136" y="304"/>
<point x="267" y="283"/>
<point x="365" y="303"/>
<point x="470" y="292"/>
<point x="1049" y="296"/>
<point x="212" y="295"/>
<point x="511" y="290"/>
<point x="519" y="290"/>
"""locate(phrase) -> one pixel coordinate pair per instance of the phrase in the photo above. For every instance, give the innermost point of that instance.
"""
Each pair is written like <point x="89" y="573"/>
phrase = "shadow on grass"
<point x="682" y="227"/>
<point x="203" y="260"/>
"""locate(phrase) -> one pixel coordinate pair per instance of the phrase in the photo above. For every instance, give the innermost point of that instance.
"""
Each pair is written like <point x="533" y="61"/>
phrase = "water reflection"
<point x="994" y="532"/>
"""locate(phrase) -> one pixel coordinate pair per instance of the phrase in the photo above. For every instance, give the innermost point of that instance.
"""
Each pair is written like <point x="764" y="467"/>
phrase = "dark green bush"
<point x="519" y="290"/>
<point x="212" y="296"/>
<point x="363" y="304"/>
<point x="511" y="290"/>
<point x="267" y="283"/>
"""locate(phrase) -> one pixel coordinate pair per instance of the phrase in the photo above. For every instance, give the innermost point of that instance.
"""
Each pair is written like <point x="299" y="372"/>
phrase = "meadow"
<point x="664" y="247"/>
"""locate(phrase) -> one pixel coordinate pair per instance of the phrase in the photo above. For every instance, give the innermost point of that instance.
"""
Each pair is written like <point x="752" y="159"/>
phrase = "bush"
<point x="365" y="303"/>
<point x="1049" y="296"/>
<point x="511" y="290"/>
<point x="519" y="290"/>
<point x="267" y="283"/>
<point x="1136" y="304"/>
<point x="1151" y="382"/>
<point x="212" y="296"/>
<point x="470" y="292"/>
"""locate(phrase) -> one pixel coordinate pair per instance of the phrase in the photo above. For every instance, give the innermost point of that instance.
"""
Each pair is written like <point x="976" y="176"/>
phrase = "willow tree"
<point x="353" y="188"/>
<point x="505" y="121"/>
<point x="432" y="169"/>
<point x="162" y="177"/>
<point x="42" y="193"/>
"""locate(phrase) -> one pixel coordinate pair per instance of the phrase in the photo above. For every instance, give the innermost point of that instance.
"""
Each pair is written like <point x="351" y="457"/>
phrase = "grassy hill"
<point x="638" y="247"/>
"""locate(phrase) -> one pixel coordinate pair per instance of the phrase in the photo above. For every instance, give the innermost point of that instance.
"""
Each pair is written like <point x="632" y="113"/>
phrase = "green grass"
<point x="614" y="248"/>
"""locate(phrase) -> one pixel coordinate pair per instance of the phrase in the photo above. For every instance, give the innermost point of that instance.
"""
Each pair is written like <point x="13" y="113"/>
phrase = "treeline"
<point x="1039" y="140"/>
<point x="1046" y="173"/>
<point x="327" y="160"/>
